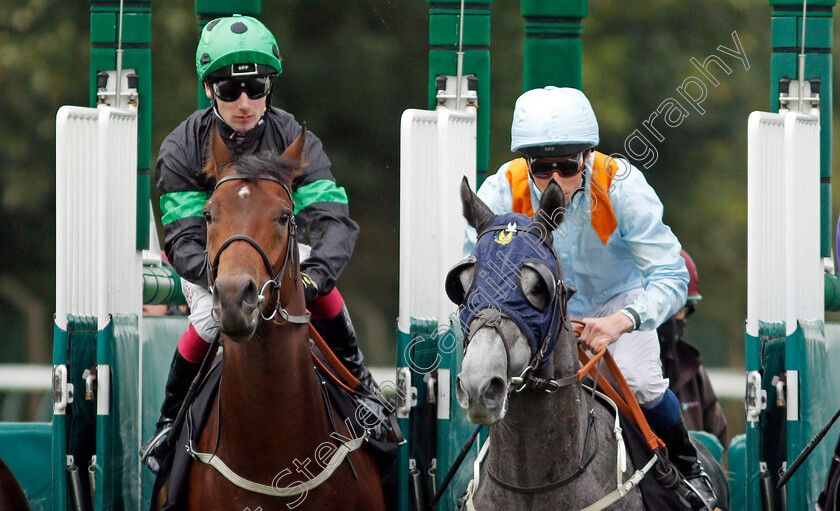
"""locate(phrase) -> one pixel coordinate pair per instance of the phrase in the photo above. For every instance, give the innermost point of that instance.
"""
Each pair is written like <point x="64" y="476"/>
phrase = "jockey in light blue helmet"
<point x="613" y="247"/>
<point x="553" y="122"/>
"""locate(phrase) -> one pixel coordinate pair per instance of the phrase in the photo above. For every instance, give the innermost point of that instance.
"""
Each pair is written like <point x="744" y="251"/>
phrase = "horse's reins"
<point x="272" y="282"/>
<point x="550" y="386"/>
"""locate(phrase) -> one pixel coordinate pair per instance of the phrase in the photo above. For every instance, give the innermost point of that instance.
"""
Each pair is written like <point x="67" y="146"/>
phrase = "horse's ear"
<point x="219" y="156"/>
<point x="552" y="209"/>
<point x="295" y="151"/>
<point x="476" y="212"/>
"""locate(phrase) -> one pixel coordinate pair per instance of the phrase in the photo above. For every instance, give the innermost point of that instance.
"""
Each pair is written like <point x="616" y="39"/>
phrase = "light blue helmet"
<point x="553" y="121"/>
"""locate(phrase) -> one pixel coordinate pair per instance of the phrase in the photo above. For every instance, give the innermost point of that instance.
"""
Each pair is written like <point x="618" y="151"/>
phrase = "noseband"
<point x="273" y="282"/>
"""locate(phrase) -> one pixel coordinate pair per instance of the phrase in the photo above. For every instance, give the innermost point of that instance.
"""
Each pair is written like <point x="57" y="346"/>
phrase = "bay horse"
<point x="269" y="426"/>
<point x="11" y="493"/>
<point x="551" y="445"/>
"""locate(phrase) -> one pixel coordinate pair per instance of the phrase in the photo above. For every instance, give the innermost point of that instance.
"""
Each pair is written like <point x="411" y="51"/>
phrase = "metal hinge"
<point x="406" y="395"/>
<point x="106" y="89"/>
<point x="62" y="390"/>
<point x="789" y="94"/>
<point x="446" y="92"/>
<point x="756" y="396"/>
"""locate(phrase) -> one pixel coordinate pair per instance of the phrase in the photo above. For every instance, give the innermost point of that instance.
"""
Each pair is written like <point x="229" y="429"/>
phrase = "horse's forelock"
<point x="254" y="166"/>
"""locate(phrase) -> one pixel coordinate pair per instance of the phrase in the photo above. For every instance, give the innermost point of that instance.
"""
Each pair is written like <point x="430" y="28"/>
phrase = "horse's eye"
<point x="207" y="217"/>
<point x="284" y="218"/>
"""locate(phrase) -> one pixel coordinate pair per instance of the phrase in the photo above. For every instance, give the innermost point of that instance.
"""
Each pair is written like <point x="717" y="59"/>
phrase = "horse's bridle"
<point x="492" y="317"/>
<point x="272" y="282"/>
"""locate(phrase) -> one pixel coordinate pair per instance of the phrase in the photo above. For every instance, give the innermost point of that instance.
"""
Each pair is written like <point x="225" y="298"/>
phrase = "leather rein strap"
<point x="275" y="280"/>
<point x="626" y="403"/>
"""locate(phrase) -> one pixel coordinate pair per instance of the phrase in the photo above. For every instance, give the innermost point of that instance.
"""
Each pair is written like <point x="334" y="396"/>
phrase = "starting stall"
<point x="110" y="363"/>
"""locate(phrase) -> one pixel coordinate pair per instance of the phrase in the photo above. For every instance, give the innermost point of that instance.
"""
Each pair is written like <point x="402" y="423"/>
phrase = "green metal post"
<point x="804" y="356"/>
<point x="209" y="10"/>
<point x="553" y="46"/>
<point x="444" y="37"/>
<point x="60" y="426"/>
<point x="136" y="35"/>
<point x="786" y="28"/>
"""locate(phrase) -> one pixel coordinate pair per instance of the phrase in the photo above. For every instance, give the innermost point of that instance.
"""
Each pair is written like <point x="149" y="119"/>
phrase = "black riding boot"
<point x="181" y="374"/>
<point x="339" y="334"/>
<point x="684" y="456"/>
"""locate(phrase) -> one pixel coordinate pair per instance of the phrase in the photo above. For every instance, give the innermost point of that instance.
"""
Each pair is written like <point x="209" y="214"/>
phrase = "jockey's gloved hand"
<point x="310" y="288"/>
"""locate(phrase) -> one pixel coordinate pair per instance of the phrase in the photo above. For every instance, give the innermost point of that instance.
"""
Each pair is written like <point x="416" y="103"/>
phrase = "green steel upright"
<point x="553" y="53"/>
<point x="444" y="39"/>
<point x="136" y="32"/>
<point x="786" y="27"/>
<point x="773" y="439"/>
<point x="208" y="10"/>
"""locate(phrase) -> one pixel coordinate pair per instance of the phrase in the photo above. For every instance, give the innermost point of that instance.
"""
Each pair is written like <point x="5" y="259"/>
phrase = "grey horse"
<point x="538" y="439"/>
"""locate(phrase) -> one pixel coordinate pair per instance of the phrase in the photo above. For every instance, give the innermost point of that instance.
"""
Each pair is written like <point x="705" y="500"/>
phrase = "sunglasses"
<point x="544" y="169"/>
<point x="230" y="89"/>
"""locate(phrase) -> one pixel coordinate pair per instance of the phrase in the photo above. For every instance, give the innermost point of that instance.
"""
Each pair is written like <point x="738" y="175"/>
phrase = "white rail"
<point x="437" y="149"/>
<point x="97" y="263"/>
<point x="784" y="270"/>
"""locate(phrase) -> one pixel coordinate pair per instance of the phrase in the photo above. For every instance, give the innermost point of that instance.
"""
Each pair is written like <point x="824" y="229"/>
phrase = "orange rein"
<point x="628" y="406"/>
<point x="350" y="382"/>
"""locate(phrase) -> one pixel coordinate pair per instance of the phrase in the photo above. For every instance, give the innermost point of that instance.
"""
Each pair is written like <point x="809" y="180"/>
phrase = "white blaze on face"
<point x="244" y="192"/>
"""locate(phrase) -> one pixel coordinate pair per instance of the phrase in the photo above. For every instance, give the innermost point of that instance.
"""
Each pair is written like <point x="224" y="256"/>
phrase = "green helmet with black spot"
<point x="237" y="46"/>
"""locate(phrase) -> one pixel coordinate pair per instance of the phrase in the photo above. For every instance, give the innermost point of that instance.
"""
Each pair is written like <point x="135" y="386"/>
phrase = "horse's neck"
<point x="267" y="381"/>
<point x="541" y="429"/>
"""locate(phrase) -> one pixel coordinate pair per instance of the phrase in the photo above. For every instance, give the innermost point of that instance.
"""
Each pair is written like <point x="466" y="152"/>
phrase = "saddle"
<point x="654" y="494"/>
<point x="175" y="470"/>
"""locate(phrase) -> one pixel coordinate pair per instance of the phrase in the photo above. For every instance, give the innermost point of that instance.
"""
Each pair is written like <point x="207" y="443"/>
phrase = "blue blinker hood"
<point x="504" y="247"/>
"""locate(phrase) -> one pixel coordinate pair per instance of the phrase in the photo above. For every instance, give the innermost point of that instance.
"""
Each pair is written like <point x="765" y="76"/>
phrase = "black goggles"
<point x="230" y="89"/>
<point x="544" y="169"/>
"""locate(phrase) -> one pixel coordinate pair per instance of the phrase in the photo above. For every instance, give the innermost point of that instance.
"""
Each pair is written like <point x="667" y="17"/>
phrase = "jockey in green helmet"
<point x="236" y="59"/>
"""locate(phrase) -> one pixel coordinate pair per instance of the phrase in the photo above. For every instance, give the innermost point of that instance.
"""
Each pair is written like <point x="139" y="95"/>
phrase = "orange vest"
<point x="603" y="217"/>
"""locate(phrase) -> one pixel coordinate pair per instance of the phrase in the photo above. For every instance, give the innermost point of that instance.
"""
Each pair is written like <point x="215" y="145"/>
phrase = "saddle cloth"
<point x="654" y="495"/>
<point x="175" y="471"/>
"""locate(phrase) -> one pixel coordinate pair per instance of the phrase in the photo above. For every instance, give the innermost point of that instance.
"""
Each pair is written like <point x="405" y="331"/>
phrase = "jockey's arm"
<point x="655" y="250"/>
<point x="322" y="206"/>
<point x="182" y="199"/>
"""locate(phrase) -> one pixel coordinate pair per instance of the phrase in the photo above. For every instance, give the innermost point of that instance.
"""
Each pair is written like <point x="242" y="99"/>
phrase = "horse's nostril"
<point x="461" y="393"/>
<point x="495" y="391"/>
<point x="249" y="295"/>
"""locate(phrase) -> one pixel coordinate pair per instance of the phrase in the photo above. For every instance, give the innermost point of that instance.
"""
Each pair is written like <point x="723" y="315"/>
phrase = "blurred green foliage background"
<point x="350" y="68"/>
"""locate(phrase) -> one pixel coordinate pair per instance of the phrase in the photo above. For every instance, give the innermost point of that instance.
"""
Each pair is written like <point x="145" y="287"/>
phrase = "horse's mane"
<point x="272" y="164"/>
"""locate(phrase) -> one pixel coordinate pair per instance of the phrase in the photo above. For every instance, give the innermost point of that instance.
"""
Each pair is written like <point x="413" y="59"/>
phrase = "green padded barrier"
<point x="25" y="447"/>
<point x="805" y="351"/>
<point x="737" y="469"/>
<point x="427" y="350"/>
<point x="118" y="437"/>
<point x="454" y="432"/>
<point x="75" y="432"/>
<point x="711" y="442"/>
<point x="159" y="336"/>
